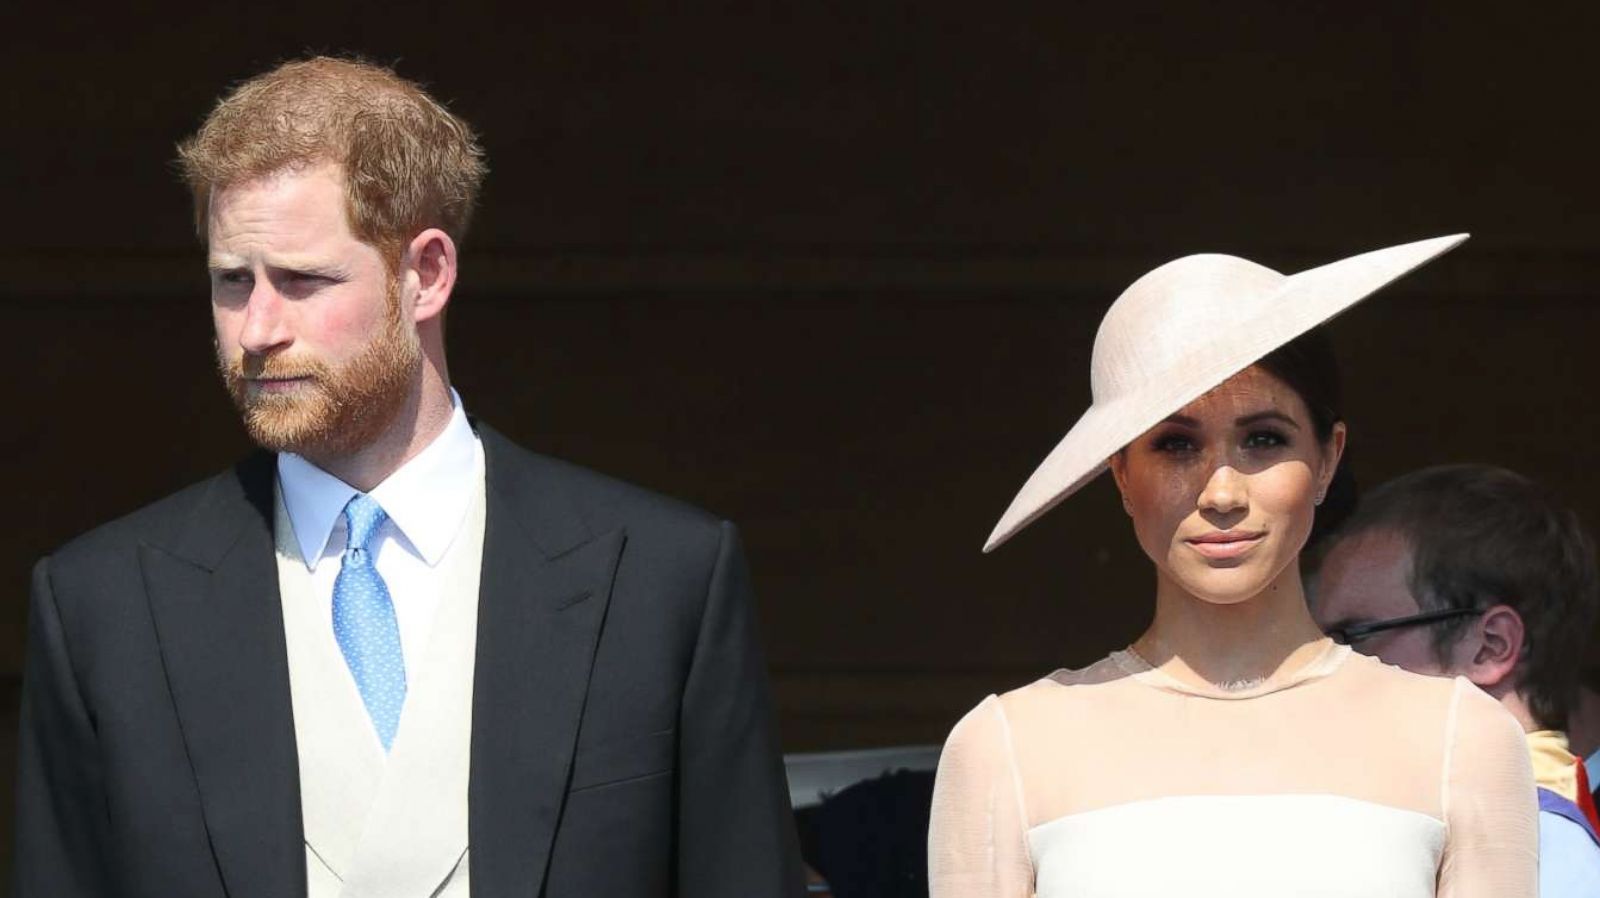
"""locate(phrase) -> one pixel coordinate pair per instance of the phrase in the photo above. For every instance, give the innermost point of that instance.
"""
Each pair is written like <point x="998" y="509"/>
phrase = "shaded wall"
<point x="865" y="442"/>
<point x="834" y="273"/>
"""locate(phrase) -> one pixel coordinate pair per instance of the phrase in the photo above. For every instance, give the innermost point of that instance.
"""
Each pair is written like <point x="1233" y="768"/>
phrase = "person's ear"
<point x="1493" y="648"/>
<point x="1119" y="473"/>
<point x="1332" y="452"/>
<point x="429" y="271"/>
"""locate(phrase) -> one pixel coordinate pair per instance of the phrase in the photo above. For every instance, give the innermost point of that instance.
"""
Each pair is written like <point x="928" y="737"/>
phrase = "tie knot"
<point x="363" y="516"/>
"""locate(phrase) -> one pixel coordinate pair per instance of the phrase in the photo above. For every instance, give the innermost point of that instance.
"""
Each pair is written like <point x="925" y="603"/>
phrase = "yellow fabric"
<point x="1554" y="764"/>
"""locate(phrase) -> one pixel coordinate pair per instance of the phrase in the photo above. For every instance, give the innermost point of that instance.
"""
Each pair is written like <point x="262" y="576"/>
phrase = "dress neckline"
<point x="1319" y="667"/>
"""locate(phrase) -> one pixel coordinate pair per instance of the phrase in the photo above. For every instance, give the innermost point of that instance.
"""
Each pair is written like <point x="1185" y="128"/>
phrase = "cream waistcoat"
<point x="376" y="826"/>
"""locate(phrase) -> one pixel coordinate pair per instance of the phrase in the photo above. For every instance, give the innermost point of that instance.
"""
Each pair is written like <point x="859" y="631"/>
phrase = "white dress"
<point x="1347" y="779"/>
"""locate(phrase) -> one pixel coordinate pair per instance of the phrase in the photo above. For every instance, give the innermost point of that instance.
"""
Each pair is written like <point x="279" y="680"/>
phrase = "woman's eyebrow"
<point x="1243" y="421"/>
<point x="1268" y="415"/>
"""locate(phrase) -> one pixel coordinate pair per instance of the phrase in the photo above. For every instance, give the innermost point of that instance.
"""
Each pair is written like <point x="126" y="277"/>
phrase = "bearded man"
<point x="393" y="654"/>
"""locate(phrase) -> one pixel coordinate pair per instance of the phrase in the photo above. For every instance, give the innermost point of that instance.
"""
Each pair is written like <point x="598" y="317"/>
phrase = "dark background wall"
<point x="834" y="272"/>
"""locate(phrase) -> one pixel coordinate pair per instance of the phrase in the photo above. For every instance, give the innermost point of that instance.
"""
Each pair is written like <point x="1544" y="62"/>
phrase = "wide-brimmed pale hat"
<point x="1182" y="330"/>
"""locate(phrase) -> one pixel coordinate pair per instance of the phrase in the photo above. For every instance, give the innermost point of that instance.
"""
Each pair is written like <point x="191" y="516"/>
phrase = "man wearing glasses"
<point x="1471" y="570"/>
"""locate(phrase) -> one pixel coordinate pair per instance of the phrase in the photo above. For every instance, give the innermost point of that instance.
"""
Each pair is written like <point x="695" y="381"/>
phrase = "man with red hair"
<point x="393" y="653"/>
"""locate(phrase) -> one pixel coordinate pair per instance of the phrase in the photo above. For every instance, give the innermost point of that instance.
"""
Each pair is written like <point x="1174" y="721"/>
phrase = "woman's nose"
<point x="1224" y="491"/>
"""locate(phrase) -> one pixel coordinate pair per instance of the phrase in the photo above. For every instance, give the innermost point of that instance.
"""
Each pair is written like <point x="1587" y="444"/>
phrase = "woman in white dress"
<point x="1233" y="749"/>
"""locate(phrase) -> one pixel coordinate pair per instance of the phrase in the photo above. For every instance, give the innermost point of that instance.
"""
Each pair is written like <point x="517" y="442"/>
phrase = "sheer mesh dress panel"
<point x="1346" y="778"/>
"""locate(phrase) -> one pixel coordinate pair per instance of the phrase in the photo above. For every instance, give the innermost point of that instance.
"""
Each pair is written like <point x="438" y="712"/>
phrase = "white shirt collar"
<point x="426" y="499"/>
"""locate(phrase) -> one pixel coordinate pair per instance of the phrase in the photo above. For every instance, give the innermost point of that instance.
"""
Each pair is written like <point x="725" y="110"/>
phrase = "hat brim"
<point x="1305" y="300"/>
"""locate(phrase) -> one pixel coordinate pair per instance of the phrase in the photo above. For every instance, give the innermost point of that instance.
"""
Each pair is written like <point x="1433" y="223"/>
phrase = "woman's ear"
<point x="1332" y="452"/>
<point x="1119" y="473"/>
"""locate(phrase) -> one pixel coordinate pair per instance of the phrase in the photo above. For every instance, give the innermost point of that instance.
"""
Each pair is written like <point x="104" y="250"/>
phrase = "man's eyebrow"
<point x="329" y="270"/>
<point x="307" y="266"/>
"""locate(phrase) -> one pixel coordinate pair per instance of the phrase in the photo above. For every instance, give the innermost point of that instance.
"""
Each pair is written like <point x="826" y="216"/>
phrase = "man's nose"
<point x="265" y="320"/>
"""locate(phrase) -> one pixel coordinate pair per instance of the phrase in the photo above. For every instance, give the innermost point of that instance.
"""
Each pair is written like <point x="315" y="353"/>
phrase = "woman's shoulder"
<point x="1053" y="693"/>
<point x="1452" y="704"/>
<point x="1046" y="694"/>
<point x="1381" y="681"/>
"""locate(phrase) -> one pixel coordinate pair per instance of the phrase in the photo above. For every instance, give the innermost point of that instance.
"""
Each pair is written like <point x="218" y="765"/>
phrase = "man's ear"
<point x="429" y="273"/>
<point x="1490" y="653"/>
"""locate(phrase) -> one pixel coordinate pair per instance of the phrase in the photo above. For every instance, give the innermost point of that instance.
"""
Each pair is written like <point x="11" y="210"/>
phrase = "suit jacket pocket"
<point x="630" y="757"/>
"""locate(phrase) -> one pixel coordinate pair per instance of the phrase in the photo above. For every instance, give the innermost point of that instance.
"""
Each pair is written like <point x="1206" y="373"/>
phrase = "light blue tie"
<point x="364" y="622"/>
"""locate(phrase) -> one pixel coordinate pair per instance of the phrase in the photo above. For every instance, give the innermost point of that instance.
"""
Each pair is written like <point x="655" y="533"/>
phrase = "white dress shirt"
<point x="426" y="501"/>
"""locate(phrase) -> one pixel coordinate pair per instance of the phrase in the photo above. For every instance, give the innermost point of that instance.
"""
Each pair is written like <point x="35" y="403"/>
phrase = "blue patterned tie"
<point x="364" y="622"/>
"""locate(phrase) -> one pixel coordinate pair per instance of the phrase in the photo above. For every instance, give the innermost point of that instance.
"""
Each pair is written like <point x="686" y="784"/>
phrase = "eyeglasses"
<point x="1354" y="633"/>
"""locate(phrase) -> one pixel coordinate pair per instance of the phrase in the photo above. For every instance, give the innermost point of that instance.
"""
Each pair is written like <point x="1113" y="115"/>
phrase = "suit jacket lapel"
<point x="214" y="598"/>
<point x="543" y="594"/>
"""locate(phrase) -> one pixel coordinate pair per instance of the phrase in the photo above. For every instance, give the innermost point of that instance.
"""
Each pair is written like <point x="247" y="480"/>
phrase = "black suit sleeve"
<point x="61" y="806"/>
<point x="736" y="836"/>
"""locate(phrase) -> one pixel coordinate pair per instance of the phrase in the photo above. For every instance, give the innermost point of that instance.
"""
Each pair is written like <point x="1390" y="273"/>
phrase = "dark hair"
<point x="870" y="840"/>
<point x="1483" y="536"/>
<point x="1307" y="365"/>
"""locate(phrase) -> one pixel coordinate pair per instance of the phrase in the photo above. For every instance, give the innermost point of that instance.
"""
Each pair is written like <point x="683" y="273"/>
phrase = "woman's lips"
<point x="1225" y="544"/>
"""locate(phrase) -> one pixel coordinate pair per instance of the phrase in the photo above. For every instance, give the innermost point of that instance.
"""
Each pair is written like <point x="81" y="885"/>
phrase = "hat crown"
<point x="1172" y="316"/>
